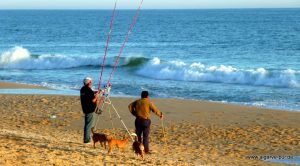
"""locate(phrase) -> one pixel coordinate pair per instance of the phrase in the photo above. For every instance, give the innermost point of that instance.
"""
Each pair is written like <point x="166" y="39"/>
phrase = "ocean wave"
<point x="21" y="58"/>
<point x="198" y="72"/>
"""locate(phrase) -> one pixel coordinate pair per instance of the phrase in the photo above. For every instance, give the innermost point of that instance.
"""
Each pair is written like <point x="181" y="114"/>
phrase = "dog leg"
<point x="110" y="147"/>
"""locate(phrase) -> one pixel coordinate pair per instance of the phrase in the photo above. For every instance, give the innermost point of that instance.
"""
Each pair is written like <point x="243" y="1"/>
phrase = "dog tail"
<point x="92" y="129"/>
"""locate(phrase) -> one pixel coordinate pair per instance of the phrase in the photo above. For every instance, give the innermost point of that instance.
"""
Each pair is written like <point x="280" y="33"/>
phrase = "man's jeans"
<point x="88" y="124"/>
<point x="142" y="126"/>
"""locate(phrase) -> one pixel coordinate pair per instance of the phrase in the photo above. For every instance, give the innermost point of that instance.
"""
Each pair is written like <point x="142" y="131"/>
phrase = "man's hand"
<point x="96" y="96"/>
<point x="161" y="117"/>
<point x="98" y="92"/>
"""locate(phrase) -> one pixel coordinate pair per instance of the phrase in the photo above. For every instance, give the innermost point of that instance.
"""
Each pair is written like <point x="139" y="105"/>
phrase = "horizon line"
<point x="149" y="8"/>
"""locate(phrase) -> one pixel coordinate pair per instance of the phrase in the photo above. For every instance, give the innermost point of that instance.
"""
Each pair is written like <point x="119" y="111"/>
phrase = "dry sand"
<point x="196" y="133"/>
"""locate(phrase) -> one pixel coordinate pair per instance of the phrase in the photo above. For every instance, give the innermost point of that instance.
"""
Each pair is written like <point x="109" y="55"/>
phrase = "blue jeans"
<point x="88" y="124"/>
<point x="142" y="126"/>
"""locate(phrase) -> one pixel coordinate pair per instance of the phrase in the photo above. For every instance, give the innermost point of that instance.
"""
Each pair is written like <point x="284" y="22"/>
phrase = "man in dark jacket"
<point x="88" y="100"/>
<point x="141" y="110"/>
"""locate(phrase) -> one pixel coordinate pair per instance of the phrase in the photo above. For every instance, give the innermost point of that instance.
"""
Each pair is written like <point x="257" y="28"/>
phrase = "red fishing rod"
<point x="107" y="42"/>
<point x="108" y="85"/>
<point x="125" y="41"/>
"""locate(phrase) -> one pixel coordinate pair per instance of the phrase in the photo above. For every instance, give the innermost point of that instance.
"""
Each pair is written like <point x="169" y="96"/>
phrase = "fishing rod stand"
<point x="104" y="102"/>
<point x="102" y="99"/>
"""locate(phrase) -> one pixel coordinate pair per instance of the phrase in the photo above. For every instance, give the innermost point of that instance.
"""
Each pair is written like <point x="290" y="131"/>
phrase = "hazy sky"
<point x="148" y="4"/>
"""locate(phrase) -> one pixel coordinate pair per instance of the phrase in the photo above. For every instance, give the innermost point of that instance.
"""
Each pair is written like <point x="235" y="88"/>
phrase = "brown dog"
<point x="138" y="147"/>
<point x="121" y="144"/>
<point x="98" y="137"/>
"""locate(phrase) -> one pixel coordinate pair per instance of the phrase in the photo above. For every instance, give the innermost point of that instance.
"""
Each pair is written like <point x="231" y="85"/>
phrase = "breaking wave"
<point x="21" y="58"/>
<point x="198" y="72"/>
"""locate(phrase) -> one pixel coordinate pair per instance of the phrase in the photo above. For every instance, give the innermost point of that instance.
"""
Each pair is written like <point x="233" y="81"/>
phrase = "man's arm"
<point x="131" y="108"/>
<point x="96" y="97"/>
<point x="156" y="110"/>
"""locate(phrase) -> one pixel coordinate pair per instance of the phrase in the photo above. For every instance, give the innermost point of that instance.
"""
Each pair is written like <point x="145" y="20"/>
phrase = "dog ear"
<point x="133" y="134"/>
<point x="108" y="137"/>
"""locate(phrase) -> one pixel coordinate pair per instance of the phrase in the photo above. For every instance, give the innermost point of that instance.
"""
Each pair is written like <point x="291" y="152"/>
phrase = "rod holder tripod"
<point x="103" y="102"/>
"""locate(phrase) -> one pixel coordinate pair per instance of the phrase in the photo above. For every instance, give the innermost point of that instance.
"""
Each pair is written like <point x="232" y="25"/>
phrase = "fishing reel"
<point x="102" y="98"/>
<point x="107" y="89"/>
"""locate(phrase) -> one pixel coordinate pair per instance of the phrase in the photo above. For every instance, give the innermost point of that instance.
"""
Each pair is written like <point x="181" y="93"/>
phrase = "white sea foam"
<point x="198" y="72"/>
<point x="21" y="58"/>
<point x="14" y="55"/>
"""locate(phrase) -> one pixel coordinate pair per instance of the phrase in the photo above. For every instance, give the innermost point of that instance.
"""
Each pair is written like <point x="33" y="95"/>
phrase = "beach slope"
<point x="195" y="133"/>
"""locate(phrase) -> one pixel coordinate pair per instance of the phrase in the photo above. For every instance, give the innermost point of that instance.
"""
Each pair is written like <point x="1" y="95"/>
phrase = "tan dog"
<point x="138" y="147"/>
<point x="98" y="137"/>
<point x="121" y="144"/>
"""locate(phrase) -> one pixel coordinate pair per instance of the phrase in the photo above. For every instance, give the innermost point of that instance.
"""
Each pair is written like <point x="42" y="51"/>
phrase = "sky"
<point x="148" y="4"/>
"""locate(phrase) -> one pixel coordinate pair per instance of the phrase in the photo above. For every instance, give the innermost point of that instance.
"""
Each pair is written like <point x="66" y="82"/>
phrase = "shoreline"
<point x="13" y="85"/>
<point x="41" y="90"/>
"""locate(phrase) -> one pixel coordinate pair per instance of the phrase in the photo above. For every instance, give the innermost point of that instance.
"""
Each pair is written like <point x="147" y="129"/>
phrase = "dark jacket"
<point x="86" y="97"/>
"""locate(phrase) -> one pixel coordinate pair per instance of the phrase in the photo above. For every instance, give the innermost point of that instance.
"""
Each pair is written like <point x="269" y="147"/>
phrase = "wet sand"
<point x="12" y="85"/>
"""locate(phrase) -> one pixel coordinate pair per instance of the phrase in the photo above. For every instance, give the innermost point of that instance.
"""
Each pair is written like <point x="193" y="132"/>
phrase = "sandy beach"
<point x="195" y="132"/>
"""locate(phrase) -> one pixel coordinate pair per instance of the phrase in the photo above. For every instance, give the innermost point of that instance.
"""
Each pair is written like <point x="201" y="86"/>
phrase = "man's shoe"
<point x="87" y="143"/>
<point x="148" y="152"/>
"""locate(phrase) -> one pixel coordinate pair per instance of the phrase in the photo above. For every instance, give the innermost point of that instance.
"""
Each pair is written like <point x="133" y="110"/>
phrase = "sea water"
<point x="241" y="56"/>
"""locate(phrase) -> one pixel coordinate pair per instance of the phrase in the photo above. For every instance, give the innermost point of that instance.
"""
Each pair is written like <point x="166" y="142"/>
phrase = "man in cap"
<point x="88" y="100"/>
